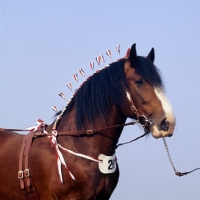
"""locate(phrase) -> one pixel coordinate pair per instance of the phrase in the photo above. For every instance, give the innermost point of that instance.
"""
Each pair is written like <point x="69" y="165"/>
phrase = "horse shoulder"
<point x="10" y="144"/>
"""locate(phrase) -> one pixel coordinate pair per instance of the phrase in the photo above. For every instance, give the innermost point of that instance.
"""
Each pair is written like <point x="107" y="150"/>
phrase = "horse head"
<point x="146" y="94"/>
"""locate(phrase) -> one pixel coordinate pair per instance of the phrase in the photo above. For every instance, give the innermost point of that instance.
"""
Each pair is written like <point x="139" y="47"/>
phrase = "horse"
<point x="131" y="87"/>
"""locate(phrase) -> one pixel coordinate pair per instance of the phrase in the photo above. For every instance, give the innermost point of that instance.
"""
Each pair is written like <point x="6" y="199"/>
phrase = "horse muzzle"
<point x="165" y="129"/>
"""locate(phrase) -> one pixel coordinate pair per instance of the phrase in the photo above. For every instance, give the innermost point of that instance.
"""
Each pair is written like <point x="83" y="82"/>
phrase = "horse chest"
<point x="90" y="182"/>
<point x="93" y="186"/>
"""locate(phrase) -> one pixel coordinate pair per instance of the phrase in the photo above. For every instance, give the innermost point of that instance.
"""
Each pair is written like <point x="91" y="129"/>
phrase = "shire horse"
<point x="131" y="87"/>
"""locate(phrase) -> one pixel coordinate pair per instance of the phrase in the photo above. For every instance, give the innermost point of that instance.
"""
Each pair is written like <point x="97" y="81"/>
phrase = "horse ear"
<point x="133" y="54"/>
<point x="151" y="55"/>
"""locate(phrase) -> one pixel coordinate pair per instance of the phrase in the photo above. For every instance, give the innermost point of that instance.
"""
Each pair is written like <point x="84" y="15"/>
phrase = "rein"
<point x="142" y="120"/>
<point x="75" y="133"/>
<point x="90" y="131"/>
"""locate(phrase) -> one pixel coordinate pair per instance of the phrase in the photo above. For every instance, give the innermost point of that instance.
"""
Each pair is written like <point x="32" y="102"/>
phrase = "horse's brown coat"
<point x="91" y="183"/>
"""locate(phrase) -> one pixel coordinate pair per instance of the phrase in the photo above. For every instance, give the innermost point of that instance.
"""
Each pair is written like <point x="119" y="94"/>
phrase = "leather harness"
<point x="24" y="173"/>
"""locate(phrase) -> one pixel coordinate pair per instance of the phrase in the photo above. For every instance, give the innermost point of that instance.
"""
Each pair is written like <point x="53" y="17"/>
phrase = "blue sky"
<point x="43" y="43"/>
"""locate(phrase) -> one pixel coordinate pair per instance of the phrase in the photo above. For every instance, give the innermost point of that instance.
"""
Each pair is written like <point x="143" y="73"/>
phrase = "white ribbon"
<point x="60" y="159"/>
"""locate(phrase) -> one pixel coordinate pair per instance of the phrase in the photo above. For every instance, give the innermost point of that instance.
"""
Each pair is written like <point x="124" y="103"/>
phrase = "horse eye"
<point x="139" y="82"/>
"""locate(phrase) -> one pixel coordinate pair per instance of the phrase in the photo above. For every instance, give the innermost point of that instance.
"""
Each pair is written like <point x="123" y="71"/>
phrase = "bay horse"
<point x="131" y="87"/>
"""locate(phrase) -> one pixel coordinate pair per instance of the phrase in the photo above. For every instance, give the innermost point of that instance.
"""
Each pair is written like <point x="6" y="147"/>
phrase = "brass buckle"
<point x="26" y="173"/>
<point x="89" y="132"/>
<point x="20" y="174"/>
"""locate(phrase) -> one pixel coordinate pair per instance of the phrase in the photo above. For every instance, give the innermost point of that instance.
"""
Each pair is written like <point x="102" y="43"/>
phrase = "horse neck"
<point x="100" y="142"/>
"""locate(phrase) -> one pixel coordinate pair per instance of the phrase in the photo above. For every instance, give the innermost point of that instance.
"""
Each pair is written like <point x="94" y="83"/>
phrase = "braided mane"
<point x="95" y="96"/>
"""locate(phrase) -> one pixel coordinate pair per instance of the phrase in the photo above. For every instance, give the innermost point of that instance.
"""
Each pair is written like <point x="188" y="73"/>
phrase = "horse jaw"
<point x="156" y="129"/>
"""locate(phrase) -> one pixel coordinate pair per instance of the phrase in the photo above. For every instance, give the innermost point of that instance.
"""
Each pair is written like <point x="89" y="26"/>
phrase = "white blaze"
<point x="169" y="116"/>
<point x="165" y="102"/>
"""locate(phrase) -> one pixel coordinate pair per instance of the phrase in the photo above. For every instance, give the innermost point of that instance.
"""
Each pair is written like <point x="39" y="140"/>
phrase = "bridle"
<point x="141" y="119"/>
<point x="145" y="123"/>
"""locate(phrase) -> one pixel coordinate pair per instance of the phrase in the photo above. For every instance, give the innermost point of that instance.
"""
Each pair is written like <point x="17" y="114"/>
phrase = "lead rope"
<point x="172" y="164"/>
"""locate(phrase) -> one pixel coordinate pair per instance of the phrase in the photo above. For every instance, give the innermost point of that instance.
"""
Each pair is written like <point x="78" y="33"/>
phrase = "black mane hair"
<point x="93" y="99"/>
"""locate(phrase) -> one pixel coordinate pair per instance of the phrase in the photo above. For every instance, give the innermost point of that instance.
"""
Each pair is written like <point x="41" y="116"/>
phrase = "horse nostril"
<point x="164" y="125"/>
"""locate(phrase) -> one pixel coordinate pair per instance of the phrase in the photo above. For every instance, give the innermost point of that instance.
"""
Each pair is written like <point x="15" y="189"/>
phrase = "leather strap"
<point x="24" y="174"/>
<point x="21" y="172"/>
<point x="89" y="132"/>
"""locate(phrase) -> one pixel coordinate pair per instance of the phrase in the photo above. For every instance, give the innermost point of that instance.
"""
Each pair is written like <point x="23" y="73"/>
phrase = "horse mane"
<point x="105" y="87"/>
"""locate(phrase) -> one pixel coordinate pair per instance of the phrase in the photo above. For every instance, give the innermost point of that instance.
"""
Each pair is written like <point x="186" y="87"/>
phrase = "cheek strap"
<point x="133" y="108"/>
